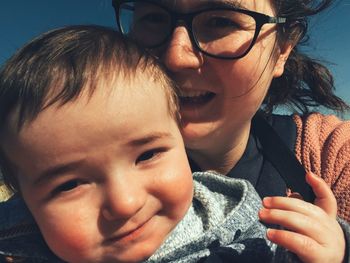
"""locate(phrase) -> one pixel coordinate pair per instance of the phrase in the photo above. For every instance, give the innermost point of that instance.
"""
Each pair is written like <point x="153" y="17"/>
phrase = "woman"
<point x="232" y="58"/>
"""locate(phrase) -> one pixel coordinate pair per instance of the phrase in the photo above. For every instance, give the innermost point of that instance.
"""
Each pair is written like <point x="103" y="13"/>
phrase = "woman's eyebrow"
<point x="224" y="3"/>
<point x="203" y="4"/>
<point x="220" y="4"/>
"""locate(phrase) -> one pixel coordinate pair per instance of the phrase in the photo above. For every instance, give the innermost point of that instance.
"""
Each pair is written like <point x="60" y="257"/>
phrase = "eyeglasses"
<point x="225" y="33"/>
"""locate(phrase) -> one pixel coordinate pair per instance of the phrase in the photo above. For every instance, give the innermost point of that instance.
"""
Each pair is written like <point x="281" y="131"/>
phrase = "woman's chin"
<point x="197" y="135"/>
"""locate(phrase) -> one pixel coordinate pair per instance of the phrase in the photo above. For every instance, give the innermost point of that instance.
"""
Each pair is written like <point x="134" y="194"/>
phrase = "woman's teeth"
<point x="195" y="96"/>
<point x="191" y="94"/>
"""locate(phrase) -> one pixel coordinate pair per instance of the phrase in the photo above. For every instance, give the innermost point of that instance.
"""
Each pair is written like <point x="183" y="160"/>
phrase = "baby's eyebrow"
<point x="54" y="171"/>
<point x="149" y="138"/>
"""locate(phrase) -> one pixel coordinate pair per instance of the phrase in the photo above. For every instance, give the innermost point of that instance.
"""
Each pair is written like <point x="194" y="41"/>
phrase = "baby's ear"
<point x="282" y="59"/>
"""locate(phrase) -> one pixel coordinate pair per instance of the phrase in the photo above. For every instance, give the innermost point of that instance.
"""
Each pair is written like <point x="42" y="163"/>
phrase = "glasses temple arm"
<point x="277" y="20"/>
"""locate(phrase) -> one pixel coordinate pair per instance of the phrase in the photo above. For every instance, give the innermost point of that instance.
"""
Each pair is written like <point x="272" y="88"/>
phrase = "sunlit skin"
<point x="311" y="231"/>
<point x="216" y="133"/>
<point x="99" y="175"/>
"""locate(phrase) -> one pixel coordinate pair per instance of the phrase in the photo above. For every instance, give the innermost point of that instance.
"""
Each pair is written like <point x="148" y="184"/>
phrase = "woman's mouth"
<point x="195" y="98"/>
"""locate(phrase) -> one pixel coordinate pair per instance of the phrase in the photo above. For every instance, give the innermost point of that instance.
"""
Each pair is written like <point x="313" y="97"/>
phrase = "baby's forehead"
<point x="144" y="81"/>
<point x="114" y="100"/>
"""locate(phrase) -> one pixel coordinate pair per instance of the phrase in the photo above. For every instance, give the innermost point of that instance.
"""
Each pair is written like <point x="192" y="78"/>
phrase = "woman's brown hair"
<point x="306" y="82"/>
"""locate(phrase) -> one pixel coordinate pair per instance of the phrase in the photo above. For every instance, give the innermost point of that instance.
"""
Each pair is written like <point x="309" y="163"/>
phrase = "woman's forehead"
<point x="184" y="6"/>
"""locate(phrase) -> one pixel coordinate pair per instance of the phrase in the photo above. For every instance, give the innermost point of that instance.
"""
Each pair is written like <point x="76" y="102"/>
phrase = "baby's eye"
<point x="149" y="155"/>
<point x="68" y="186"/>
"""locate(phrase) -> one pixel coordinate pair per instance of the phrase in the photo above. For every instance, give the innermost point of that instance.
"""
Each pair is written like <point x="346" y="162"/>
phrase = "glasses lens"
<point x="224" y="33"/>
<point x="148" y="24"/>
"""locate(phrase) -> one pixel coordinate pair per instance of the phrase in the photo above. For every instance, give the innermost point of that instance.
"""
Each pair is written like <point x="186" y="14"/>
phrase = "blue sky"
<point x="21" y="20"/>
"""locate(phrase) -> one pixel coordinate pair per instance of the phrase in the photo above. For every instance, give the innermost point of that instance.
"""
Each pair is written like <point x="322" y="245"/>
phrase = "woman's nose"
<point x="180" y="53"/>
<point x="123" y="199"/>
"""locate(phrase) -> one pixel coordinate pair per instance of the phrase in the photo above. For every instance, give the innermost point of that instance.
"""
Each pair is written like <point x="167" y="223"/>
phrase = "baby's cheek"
<point x="176" y="190"/>
<point x="70" y="242"/>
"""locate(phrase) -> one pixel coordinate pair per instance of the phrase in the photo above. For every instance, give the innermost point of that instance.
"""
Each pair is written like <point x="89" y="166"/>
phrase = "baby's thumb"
<point x="325" y="198"/>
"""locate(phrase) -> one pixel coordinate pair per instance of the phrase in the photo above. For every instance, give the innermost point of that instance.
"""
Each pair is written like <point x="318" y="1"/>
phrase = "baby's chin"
<point x="105" y="259"/>
<point x="111" y="257"/>
<point x="121" y="258"/>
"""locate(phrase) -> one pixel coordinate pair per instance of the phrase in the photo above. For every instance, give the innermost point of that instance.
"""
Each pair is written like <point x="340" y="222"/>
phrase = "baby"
<point x="90" y="141"/>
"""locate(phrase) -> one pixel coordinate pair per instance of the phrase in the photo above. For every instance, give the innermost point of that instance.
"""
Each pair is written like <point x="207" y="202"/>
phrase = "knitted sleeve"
<point x="323" y="147"/>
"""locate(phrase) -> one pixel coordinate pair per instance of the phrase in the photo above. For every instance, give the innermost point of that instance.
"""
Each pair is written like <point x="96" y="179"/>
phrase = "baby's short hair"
<point x="58" y="66"/>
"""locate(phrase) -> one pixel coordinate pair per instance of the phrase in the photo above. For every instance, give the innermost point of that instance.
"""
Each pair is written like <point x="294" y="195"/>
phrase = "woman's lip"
<point x="188" y="92"/>
<point x="195" y="101"/>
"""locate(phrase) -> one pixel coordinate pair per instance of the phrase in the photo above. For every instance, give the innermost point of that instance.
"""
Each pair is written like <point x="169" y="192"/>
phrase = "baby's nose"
<point x="123" y="199"/>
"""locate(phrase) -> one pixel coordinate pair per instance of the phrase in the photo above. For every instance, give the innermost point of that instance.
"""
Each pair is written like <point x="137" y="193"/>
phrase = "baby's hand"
<point x="311" y="230"/>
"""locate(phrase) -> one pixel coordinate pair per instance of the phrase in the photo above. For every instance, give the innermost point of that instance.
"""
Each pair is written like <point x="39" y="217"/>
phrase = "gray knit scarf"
<point x="223" y="218"/>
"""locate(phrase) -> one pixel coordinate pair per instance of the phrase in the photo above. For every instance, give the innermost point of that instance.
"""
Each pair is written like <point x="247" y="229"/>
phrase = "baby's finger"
<point x="306" y="248"/>
<point x="324" y="197"/>
<point x="293" y="205"/>
<point x="295" y="222"/>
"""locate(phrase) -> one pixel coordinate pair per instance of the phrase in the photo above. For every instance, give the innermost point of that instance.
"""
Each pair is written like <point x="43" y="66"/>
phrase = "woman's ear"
<point x="286" y="49"/>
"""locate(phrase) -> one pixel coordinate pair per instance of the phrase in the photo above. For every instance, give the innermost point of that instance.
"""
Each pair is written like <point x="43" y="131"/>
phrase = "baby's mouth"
<point x="188" y="98"/>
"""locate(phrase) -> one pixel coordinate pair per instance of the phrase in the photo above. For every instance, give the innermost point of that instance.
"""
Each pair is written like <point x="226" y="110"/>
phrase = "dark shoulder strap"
<point x="281" y="157"/>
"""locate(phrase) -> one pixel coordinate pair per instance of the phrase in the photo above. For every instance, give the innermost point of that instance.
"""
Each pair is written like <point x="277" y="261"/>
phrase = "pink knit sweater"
<point x="323" y="147"/>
